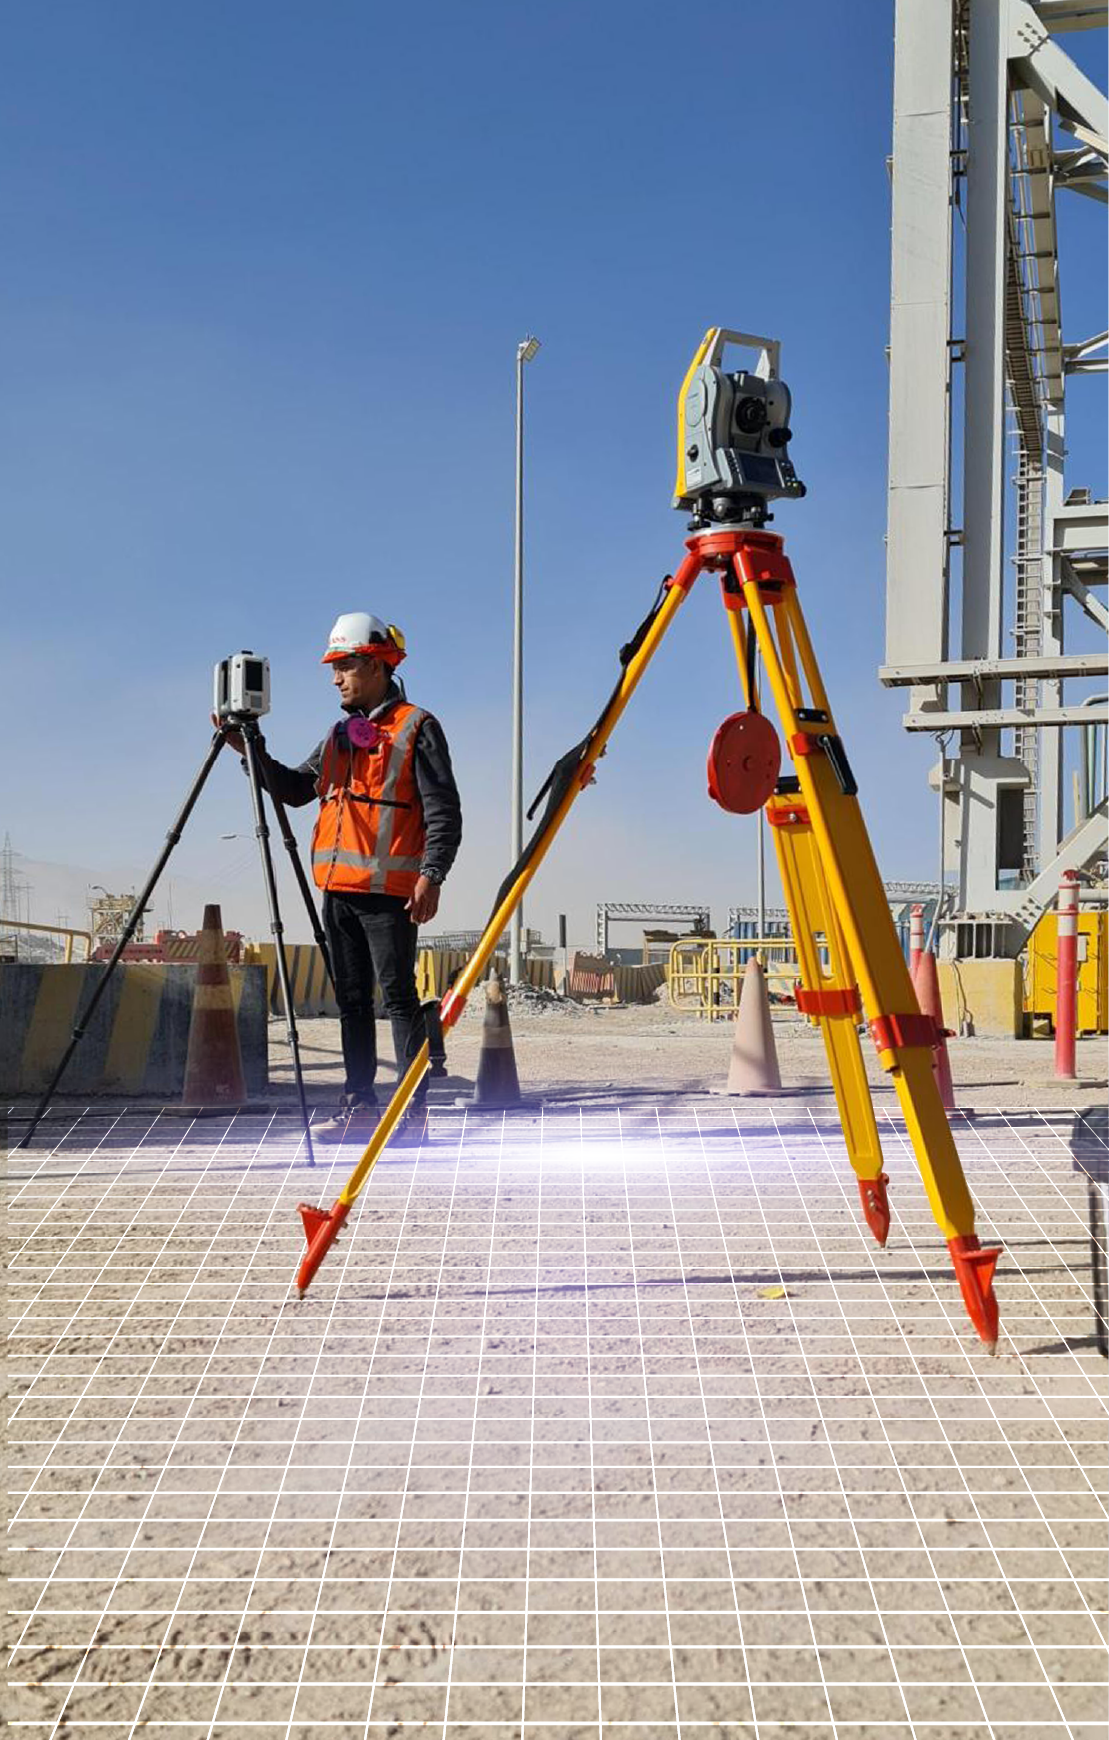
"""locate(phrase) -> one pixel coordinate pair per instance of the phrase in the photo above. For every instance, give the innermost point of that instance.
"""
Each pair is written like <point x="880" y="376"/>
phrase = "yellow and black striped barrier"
<point x="138" y="1036"/>
<point x="311" y="987"/>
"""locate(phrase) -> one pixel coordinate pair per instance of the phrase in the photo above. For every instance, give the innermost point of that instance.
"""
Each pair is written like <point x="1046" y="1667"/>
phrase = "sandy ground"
<point x="605" y="1416"/>
<point x="571" y="1049"/>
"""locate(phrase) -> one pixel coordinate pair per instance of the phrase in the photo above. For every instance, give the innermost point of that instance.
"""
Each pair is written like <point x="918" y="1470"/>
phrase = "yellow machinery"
<point x="732" y="462"/>
<point x="1093" y="971"/>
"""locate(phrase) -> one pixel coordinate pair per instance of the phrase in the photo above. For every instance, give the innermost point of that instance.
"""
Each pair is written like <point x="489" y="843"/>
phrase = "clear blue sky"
<point x="266" y="268"/>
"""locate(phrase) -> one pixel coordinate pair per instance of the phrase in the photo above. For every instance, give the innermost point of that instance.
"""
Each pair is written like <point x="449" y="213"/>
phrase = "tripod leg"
<point x="127" y="933"/>
<point x="250" y="747"/>
<point x="303" y="884"/>
<point x="904" y="1037"/>
<point x="831" y="997"/>
<point x="320" y="1226"/>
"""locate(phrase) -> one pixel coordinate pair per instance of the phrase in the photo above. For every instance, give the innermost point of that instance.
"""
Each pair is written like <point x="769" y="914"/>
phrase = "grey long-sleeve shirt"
<point x="434" y="776"/>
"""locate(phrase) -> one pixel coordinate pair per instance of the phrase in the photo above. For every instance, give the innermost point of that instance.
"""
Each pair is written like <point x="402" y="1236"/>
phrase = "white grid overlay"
<point x="547" y="1451"/>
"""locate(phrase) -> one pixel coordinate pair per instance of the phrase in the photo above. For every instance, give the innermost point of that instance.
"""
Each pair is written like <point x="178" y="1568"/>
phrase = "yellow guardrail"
<point x="54" y="930"/>
<point x="704" y="975"/>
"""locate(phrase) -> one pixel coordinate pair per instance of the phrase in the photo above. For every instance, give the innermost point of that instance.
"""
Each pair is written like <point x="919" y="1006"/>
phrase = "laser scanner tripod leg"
<point x="568" y="779"/>
<point x="904" y="1038"/>
<point x="302" y="882"/>
<point x="249" y="729"/>
<point x="129" y="929"/>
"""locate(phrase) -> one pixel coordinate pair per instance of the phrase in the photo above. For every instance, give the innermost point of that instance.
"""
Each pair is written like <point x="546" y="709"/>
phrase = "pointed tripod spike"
<point x="876" y="1208"/>
<point x="321" y="1231"/>
<point x="974" y="1271"/>
<point x="313" y="1219"/>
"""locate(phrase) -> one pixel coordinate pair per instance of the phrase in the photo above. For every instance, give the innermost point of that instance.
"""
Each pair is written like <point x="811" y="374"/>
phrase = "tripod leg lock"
<point x="808" y="742"/>
<point x="844" y="1000"/>
<point x="901" y="1032"/>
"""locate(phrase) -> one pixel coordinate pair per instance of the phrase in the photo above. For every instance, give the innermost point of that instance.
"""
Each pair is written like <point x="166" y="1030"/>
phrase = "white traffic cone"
<point x="754" y="1066"/>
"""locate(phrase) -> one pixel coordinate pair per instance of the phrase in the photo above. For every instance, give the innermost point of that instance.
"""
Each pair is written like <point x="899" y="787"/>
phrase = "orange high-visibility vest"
<point x="369" y="836"/>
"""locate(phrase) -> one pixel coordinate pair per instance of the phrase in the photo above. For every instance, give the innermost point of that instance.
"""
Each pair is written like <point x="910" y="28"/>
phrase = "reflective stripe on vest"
<point x="357" y="861"/>
<point x="369" y="836"/>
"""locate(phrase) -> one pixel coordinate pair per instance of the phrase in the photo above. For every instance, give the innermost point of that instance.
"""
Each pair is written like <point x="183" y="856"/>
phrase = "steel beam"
<point x="1044" y="67"/>
<point x="1081" y="593"/>
<point x="984" y="430"/>
<point x="920" y="329"/>
<point x="1001" y="718"/>
<point x="1060" y="15"/>
<point x="1062" y="665"/>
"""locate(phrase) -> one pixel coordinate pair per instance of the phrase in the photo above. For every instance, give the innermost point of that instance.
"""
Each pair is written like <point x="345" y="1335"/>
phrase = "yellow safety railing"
<point x="705" y="974"/>
<point x="54" y="930"/>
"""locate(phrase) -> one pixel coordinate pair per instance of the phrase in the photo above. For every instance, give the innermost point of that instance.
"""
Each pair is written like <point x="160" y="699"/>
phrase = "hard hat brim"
<point x="389" y="655"/>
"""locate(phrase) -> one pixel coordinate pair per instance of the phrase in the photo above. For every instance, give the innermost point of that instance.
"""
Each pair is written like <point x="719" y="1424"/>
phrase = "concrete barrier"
<point x="137" y="1039"/>
<point x="435" y="969"/>
<point x="311" y="987"/>
<point x="984" y="997"/>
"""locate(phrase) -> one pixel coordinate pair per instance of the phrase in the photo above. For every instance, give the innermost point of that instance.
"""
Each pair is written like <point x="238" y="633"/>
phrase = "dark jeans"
<point x="373" y="940"/>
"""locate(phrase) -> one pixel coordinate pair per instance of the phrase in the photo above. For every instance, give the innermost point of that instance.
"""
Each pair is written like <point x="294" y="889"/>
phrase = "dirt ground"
<point x="567" y="1049"/>
<point x="605" y="1417"/>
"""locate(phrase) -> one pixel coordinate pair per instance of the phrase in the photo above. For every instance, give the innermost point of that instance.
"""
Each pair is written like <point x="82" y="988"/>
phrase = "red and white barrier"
<point x="1066" y="976"/>
<point x="916" y="938"/>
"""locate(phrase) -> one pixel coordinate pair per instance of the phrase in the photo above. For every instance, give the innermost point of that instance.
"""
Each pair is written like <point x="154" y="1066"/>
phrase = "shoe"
<point x="356" y="1116"/>
<point x="411" y="1129"/>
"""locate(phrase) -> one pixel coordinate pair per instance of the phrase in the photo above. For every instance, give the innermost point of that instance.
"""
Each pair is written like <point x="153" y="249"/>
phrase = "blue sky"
<point x="267" y="266"/>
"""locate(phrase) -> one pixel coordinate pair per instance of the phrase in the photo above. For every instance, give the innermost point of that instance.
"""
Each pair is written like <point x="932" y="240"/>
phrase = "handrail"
<point x="704" y="974"/>
<point x="55" y="930"/>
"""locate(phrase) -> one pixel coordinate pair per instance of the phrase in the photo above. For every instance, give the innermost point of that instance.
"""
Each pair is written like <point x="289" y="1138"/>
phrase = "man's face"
<point x="361" y="681"/>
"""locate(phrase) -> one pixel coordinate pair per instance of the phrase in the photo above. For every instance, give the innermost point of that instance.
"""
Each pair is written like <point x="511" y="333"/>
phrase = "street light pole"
<point x="525" y="351"/>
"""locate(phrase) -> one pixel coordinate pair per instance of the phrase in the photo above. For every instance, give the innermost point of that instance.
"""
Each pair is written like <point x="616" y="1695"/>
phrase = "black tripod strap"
<point x="565" y="769"/>
<point x="752" y="659"/>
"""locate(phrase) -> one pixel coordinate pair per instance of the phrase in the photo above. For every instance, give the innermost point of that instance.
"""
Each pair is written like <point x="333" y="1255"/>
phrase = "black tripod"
<point x="246" y="725"/>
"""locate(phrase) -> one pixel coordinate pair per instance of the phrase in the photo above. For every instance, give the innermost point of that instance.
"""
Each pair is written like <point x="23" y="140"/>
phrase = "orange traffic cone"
<point x="926" y="984"/>
<point x="497" y="1083"/>
<point x="214" y="1060"/>
<point x="754" y="1066"/>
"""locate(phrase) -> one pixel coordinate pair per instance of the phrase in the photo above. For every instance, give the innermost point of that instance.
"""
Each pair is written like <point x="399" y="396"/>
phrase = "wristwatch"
<point x="435" y="876"/>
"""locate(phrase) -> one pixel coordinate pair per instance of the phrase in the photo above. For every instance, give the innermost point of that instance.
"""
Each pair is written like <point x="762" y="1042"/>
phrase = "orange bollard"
<point x="214" y="1061"/>
<point x="926" y="984"/>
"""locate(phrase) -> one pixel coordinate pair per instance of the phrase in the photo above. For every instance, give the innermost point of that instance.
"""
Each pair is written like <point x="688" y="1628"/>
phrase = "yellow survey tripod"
<point x="849" y="957"/>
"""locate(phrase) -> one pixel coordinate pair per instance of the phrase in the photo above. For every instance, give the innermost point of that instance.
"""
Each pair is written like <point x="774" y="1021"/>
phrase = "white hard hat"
<point x="357" y="632"/>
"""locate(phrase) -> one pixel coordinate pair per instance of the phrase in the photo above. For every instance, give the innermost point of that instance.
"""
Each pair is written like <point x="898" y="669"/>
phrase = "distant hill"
<point x="60" y="893"/>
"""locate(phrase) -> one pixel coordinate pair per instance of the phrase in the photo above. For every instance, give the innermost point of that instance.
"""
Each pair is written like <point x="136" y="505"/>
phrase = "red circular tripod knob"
<point x="745" y="758"/>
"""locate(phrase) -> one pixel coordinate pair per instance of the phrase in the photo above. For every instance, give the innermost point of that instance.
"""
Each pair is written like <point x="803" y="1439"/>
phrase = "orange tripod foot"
<point x="876" y="1208"/>
<point x="321" y="1230"/>
<point x="974" y="1270"/>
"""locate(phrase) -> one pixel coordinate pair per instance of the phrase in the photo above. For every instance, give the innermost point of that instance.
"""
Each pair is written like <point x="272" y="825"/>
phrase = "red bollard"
<point x="927" y="988"/>
<point x="916" y="938"/>
<point x="1066" y="976"/>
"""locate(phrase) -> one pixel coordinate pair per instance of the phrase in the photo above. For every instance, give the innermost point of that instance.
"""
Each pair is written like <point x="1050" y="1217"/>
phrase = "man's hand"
<point x="424" y="903"/>
<point x="234" y="737"/>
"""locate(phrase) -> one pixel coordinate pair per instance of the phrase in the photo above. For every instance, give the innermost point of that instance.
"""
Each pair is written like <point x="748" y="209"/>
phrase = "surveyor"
<point x="388" y="831"/>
